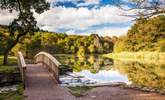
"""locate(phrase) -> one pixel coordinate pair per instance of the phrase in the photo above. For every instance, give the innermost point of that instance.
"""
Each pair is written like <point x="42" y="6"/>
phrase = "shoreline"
<point x="120" y="93"/>
<point x="150" y="57"/>
<point x="79" y="91"/>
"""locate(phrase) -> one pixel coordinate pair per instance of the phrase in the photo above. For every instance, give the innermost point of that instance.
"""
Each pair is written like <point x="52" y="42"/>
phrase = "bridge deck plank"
<point x="40" y="85"/>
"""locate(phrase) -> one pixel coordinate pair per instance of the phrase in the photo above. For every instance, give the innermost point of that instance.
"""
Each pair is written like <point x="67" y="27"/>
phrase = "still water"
<point x="105" y="70"/>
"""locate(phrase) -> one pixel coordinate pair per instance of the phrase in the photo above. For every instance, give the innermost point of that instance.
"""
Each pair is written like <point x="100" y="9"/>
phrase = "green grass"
<point x="10" y="67"/>
<point x="140" y="56"/>
<point x="12" y="60"/>
<point x="79" y="90"/>
<point x="13" y="95"/>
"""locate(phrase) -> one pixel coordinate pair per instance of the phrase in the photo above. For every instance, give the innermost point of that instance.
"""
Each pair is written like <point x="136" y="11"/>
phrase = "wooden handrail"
<point x="51" y="63"/>
<point x="22" y="66"/>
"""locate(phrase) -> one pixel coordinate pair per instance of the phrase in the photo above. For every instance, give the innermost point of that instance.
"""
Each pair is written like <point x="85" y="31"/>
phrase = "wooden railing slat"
<point x="51" y="62"/>
<point x="22" y="66"/>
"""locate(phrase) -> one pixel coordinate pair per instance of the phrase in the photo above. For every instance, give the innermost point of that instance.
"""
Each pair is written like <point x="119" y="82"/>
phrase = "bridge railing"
<point x="51" y="63"/>
<point x="22" y="66"/>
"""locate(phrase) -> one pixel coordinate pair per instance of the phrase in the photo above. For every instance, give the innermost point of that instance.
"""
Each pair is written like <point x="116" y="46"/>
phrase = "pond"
<point x="101" y="70"/>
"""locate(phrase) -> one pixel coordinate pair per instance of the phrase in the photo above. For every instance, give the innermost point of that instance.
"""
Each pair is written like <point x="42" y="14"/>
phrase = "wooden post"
<point x="22" y="66"/>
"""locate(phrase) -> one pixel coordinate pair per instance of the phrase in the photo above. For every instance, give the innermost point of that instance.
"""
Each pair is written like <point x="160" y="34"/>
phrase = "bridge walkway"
<point x="40" y="85"/>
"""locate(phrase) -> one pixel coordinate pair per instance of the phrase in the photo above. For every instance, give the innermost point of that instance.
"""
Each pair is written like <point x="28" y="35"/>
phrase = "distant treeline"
<point x="144" y="35"/>
<point x="69" y="44"/>
<point x="58" y="43"/>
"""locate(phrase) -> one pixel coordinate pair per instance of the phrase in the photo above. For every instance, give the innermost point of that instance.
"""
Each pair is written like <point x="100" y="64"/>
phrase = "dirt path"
<point x="41" y="86"/>
<point x="119" y="93"/>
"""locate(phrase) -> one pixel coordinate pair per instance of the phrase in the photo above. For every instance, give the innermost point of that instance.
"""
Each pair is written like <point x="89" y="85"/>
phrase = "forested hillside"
<point x="59" y="43"/>
<point x="144" y="35"/>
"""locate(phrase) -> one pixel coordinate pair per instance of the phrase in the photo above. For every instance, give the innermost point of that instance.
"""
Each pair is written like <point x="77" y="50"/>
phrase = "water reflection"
<point x="143" y="74"/>
<point x="106" y="70"/>
<point x="104" y="76"/>
<point x="93" y="63"/>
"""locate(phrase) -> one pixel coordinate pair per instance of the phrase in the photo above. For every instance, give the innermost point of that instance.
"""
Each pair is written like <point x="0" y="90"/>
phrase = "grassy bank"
<point x="13" y="95"/>
<point x="10" y="67"/>
<point x="147" y="56"/>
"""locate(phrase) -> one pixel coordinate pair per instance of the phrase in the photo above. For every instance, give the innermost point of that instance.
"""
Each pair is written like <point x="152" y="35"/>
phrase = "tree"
<point x="25" y="22"/>
<point x="35" y="45"/>
<point x="144" y="35"/>
<point x="120" y="45"/>
<point x="143" y="8"/>
<point x="73" y="49"/>
<point x="91" y="48"/>
<point x="81" y="51"/>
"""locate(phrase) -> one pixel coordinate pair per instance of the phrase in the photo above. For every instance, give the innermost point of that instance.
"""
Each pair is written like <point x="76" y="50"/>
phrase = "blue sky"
<point x="81" y="17"/>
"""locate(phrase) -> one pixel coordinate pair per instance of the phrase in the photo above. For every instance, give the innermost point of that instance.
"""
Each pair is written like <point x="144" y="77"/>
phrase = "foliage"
<point x="143" y="74"/>
<point x="144" y="35"/>
<point x="59" y="43"/>
<point x="93" y="63"/>
<point x="81" y="51"/>
<point x="4" y="34"/>
<point x="33" y="45"/>
<point x="119" y="45"/>
<point x="161" y="45"/>
<point x="23" y="24"/>
<point x="91" y="48"/>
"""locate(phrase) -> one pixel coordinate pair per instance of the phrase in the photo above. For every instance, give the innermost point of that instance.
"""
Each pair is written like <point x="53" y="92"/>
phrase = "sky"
<point x="81" y="17"/>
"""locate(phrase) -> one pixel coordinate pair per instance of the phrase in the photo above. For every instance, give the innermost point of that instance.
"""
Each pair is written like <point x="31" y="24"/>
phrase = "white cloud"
<point x="76" y="19"/>
<point x="71" y="32"/>
<point x="112" y="31"/>
<point x="81" y="18"/>
<point x="6" y="17"/>
<point x="107" y="31"/>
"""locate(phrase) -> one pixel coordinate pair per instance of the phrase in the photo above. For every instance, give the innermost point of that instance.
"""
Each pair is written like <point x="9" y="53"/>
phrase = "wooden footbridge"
<point x="41" y="79"/>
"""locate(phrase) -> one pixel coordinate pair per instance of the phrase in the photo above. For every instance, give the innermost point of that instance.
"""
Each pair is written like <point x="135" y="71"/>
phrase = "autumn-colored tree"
<point x="25" y="22"/>
<point x="144" y="35"/>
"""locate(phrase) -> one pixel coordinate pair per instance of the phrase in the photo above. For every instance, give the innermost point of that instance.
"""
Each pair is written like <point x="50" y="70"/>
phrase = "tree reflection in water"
<point x="142" y="73"/>
<point x="93" y="63"/>
<point x="138" y="73"/>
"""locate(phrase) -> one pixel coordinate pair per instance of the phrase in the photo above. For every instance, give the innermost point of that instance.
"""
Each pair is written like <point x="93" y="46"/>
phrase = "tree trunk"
<point x="8" y="49"/>
<point x="5" y="58"/>
<point x="6" y="52"/>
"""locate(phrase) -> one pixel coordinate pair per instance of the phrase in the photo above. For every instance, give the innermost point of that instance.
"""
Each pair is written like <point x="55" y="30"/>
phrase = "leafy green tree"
<point x="81" y="51"/>
<point x="34" y="46"/>
<point x="25" y="22"/>
<point x="91" y="48"/>
<point x="73" y="49"/>
<point x="161" y="45"/>
<point x="119" y="46"/>
<point x="57" y="43"/>
<point x="144" y="35"/>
